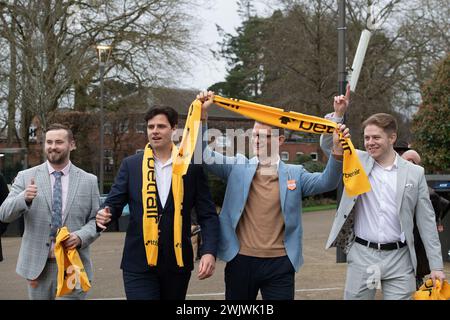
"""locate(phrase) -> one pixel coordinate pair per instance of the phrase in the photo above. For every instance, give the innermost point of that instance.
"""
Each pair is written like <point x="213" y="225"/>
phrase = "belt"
<point x="381" y="246"/>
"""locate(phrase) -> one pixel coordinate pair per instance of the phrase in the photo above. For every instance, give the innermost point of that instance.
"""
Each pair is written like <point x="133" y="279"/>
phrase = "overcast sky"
<point x="224" y="13"/>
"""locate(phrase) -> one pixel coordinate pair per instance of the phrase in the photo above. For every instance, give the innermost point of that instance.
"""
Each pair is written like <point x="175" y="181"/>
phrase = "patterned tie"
<point x="57" y="204"/>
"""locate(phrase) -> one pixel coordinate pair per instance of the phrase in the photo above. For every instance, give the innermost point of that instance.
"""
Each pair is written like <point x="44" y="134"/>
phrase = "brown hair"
<point x="59" y="126"/>
<point x="169" y="112"/>
<point x="383" y="120"/>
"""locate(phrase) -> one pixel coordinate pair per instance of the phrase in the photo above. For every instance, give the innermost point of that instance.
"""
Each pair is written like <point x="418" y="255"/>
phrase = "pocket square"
<point x="409" y="185"/>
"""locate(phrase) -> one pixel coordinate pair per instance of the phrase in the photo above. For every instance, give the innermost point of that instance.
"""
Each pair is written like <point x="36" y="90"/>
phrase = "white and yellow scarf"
<point x="354" y="176"/>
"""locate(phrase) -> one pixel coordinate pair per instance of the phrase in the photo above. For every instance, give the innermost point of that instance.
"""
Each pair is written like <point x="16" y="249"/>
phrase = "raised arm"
<point x="315" y="183"/>
<point x="215" y="162"/>
<point x="340" y="106"/>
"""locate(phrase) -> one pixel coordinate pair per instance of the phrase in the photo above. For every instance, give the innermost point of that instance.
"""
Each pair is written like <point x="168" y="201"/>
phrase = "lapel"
<point x="367" y="163"/>
<point x="402" y="173"/>
<point x="44" y="184"/>
<point x="248" y="175"/>
<point x="282" y="180"/>
<point x="74" y="179"/>
<point x="253" y="165"/>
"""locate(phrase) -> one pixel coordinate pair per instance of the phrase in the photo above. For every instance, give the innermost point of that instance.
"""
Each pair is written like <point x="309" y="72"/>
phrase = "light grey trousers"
<point x="371" y="269"/>
<point x="47" y="285"/>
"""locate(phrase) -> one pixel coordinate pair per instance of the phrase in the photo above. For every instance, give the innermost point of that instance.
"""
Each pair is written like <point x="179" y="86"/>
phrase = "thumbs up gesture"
<point x="30" y="192"/>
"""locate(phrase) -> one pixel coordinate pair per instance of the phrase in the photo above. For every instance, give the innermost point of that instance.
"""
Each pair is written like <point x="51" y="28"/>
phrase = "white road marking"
<point x="215" y="294"/>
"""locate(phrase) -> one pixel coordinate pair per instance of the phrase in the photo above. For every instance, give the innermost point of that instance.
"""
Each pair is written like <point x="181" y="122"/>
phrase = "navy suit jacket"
<point x="127" y="188"/>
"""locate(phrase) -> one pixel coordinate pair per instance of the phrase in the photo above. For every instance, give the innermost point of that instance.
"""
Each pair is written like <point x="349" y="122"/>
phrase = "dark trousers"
<point x="153" y="285"/>
<point x="245" y="276"/>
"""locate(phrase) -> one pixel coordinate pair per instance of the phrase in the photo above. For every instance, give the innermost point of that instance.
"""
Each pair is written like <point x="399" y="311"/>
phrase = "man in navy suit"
<point x="166" y="280"/>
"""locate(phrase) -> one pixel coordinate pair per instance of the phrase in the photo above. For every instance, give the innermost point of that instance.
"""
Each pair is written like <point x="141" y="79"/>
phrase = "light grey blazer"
<point x="79" y="216"/>
<point x="413" y="200"/>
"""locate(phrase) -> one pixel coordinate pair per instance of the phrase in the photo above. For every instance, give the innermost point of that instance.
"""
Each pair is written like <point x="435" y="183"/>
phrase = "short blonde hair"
<point x="383" y="120"/>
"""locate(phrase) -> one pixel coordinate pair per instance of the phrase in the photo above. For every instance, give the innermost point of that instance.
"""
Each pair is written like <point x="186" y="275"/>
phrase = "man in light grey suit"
<point x="49" y="196"/>
<point x="375" y="229"/>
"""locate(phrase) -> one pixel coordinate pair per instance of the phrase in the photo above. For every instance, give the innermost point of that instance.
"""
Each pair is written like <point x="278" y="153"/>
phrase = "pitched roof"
<point x="180" y="100"/>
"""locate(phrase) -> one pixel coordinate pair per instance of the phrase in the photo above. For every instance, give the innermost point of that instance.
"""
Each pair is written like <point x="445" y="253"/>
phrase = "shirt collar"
<point x="391" y="167"/>
<point x="162" y="165"/>
<point x="65" y="171"/>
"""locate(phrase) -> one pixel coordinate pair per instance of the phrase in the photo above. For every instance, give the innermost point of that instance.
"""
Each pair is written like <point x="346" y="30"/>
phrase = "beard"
<point x="57" y="158"/>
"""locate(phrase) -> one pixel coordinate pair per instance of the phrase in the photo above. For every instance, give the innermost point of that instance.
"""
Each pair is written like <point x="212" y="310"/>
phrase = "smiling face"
<point x="58" y="147"/>
<point x="159" y="132"/>
<point x="378" y="143"/>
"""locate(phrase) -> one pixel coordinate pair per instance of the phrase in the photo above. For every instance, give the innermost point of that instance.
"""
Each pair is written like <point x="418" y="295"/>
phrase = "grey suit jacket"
<point x="81" y="207"/>
<point x="413" y="200"/>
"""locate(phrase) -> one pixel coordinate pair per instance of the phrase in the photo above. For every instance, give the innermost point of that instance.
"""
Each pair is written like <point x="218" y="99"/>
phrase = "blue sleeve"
<point x="320" y="182"/>
<point x="215" y="162"/>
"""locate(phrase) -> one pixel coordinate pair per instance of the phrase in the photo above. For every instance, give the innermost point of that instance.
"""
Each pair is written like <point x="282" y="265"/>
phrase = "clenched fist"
<point x="103" y="217"/>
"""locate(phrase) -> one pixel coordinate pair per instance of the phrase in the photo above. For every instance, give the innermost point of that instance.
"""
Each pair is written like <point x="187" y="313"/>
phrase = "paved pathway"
<point x="319" y="278"/>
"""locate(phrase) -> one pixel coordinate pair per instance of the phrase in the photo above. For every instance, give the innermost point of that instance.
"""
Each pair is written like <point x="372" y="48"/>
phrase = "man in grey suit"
<point x="375" y="229"/>
<point x="49" y="196"/>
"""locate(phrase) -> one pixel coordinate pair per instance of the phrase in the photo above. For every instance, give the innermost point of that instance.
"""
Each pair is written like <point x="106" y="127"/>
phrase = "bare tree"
<point x="55" y="46"/>
<point x="298" y="55"/>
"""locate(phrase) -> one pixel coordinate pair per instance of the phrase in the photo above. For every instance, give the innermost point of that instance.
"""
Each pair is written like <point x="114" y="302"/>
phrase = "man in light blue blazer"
<point x="260" y="221"/>
<point x="49" y="196"/>
<point x="375" y="229"/>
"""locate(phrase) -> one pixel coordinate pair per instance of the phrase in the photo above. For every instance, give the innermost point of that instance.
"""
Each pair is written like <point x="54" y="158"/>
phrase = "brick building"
<point x="125" y="133"/>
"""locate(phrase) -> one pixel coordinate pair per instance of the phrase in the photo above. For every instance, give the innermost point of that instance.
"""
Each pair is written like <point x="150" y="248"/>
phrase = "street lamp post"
<point x="342" y="83"/>
<point x="103" y="53"/>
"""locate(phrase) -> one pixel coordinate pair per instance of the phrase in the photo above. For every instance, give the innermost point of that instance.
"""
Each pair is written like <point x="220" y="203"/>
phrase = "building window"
<point x="123" y="126"/>
<point x="107" y="128"/>
<point x="314" y="156"/>
<point x="141" y="126"/>
<point x="108" y="160"/>
<point x="32" y="136"/>
<point x="285" y="156"/>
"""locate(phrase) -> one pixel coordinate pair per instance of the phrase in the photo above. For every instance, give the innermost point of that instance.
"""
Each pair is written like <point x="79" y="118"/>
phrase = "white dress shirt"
<point x="163" y="173"/>
<point x="376" y="218"/>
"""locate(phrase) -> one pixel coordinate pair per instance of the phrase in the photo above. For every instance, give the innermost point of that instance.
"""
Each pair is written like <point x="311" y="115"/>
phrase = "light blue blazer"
<point x="238" y="172"/>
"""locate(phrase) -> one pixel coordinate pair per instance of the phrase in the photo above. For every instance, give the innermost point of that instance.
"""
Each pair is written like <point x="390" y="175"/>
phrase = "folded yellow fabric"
<point x="71" y="273"/>
<point x="354" y="176"/>
<point x="427" y="292"/>
<point x="181" y="158"/>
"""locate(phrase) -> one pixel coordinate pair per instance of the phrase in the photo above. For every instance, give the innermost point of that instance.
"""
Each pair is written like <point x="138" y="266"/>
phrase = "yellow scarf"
<point x="355" y="178"/>
<point x="181" y="158"/>
<point x="70" y="267"/>
<point x="427" y="292"/>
